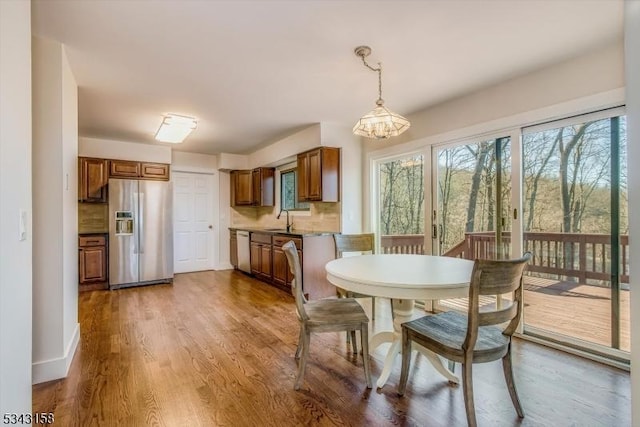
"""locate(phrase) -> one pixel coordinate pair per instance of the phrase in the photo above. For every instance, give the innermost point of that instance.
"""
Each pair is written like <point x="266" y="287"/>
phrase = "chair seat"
<point x="446" y="332"/>
<point x="329" y="311"/>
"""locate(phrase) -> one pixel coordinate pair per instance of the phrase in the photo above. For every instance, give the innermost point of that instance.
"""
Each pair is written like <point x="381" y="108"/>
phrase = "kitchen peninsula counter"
<point x="268" y="262"/>
<point x="293" y="233"/>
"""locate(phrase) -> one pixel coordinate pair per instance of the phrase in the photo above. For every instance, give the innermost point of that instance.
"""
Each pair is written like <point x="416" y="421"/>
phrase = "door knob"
<point x="210" y="227"/>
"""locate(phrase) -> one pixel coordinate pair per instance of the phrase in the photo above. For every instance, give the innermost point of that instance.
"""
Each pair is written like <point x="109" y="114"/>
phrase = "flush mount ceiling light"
<point x="379" y="123"/>
<point x="175" y="128"/>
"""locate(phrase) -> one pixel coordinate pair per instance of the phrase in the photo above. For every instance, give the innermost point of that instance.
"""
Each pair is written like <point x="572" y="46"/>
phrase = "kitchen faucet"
<point x="288" y="225"/>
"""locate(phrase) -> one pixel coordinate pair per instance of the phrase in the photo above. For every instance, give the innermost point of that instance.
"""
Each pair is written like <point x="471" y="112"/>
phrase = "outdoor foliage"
<point x="567" y="182"/>
<point x="402" y="196"/>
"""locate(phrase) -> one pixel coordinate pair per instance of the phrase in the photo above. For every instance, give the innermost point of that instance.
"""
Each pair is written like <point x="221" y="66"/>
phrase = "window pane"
<point x="289" y="191"/>
<point x="401" y="195"/>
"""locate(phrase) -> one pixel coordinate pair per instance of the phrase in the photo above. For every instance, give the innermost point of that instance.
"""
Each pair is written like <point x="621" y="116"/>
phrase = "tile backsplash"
<point x="93" y="218"/>
<point x="321" y="217"/>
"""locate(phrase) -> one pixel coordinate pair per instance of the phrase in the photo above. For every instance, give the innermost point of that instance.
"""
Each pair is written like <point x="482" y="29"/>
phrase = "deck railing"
<point x="586" y="257"/>
<point x="402" y="244"/>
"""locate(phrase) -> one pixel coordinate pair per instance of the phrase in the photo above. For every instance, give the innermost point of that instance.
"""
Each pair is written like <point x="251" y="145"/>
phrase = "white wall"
<point x="68" y="182"/>
<point x="122" y="150"/>
<point x="632" y="60"/>
<point x="193" y="162"/>
<point x="227" y="161"/>
<point x="287" y="148"/>
<point x="15" y="188"/>
<point x="224" y="199"/>
<point x="351" y="190"/>
<point x="55" y="224"/>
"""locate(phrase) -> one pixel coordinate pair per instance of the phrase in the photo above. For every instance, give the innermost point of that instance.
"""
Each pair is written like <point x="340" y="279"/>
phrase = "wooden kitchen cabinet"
<point x="128" y="169"/>
<point x="253" y="187"/>
<point x="263" y="186"/>
<point x="261" y="255"/>
<point x="319" y="175"/>
<point x="124" y="169"/>
<point x="93" y="179"/>
<point x="159" y="171"/>
<point x="241" y="194"/>
<point x="282" y="275"/>
<point x="92" y="262"/>
<point x="269" y="262"/>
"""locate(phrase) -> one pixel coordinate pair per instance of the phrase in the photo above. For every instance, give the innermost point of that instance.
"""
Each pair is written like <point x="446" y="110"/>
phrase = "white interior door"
<point x="193" y="221"/>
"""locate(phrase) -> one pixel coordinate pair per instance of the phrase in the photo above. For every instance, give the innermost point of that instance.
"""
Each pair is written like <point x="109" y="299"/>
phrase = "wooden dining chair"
<point x="325" y="315"/>
<point x="475" y="337"/>
<point x="363" y="243"/>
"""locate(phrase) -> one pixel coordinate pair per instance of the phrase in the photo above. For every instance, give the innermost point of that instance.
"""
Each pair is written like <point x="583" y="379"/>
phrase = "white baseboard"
<point x="54" y="369"/>
<point x="225" y="266"/>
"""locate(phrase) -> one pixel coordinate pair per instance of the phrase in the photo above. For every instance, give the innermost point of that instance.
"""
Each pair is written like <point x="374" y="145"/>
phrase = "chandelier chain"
<point x="379" y="123"/>
<point x="379" y="71"/>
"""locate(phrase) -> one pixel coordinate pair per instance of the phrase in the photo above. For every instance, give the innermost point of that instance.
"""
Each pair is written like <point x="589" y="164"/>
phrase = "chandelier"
<point x="379" y="123"/>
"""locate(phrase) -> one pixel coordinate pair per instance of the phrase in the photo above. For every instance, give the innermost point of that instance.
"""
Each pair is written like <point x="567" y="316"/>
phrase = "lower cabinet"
<point x="282" y="275"/>
<point x="92" y="262"/>
<point x="261" y="256"/>
<point x="269" y="262"/>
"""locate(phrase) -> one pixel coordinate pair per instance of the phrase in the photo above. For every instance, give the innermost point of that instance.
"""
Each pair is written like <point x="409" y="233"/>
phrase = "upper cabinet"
<point x="253" y="187"/>
<point x="93" y="178"/>
<point x="134" y="170"/>
<point x="154" y="171"/>
<point x="94" y="174"/>
<point x="263" y="186"/>
<point x="241" y="194"/>
<point x="319" y="175"/>
<point x="124" y="169"/>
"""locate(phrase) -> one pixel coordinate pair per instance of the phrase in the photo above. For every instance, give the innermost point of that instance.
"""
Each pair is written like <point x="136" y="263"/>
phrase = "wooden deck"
<point x="575" y="309"/>
<point x="568" y="308"/>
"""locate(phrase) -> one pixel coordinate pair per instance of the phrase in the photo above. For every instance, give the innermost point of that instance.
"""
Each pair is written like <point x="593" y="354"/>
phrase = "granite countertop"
<point x="294" y="232"/>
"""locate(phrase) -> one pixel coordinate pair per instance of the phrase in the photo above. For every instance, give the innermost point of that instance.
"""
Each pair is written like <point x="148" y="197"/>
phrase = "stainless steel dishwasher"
<point x="244" y="251"/>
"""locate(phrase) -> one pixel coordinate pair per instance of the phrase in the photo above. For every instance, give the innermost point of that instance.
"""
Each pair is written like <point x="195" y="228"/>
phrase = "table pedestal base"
<point x="403" y="312"/>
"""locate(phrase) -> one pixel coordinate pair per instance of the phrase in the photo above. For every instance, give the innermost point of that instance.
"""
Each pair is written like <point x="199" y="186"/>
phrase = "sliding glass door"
<point x="575" y="224"/>
<point x="472" y="190"/>
<point x="473" y="194"/>
<point x="558" y="190"/>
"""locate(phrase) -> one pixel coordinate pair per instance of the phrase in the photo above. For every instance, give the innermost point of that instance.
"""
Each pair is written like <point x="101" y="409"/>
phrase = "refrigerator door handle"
<point x="136" y="225"/>
<point x="141" y="222"/>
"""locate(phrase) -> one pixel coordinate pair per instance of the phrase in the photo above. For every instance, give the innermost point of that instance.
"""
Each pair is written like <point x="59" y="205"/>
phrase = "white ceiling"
<point x="254" y="71"/>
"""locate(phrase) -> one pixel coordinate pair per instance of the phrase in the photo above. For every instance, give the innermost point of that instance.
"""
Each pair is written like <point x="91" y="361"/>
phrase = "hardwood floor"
<point x="216" y="348"/>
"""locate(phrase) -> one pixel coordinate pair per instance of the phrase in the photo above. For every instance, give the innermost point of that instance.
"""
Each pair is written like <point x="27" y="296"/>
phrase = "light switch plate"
<point x="23" y="225"/>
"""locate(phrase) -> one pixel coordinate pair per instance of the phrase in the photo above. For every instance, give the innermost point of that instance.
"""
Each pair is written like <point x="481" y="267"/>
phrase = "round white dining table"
<point x="403" y="278"/>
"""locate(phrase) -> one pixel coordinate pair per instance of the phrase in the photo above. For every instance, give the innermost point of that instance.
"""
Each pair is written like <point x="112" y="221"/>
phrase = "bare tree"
<point x="481" y="154"/>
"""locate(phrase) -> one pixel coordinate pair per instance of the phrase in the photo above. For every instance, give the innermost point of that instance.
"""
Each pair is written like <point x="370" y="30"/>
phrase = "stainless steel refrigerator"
<point x="140" y="232"/>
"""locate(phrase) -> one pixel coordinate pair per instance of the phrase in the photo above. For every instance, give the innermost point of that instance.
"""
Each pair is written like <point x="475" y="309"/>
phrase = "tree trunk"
<point x="481" y="159"/>
<point x="536" y="180"/>
<point x="565" y="189"/>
